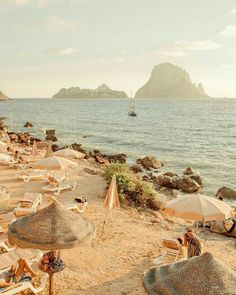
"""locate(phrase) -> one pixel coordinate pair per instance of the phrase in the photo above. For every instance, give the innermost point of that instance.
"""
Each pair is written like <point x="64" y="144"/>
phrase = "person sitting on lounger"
<point x="193" y="243"/>
<point x="52" y="181"/>
<point x="17" y="274"/>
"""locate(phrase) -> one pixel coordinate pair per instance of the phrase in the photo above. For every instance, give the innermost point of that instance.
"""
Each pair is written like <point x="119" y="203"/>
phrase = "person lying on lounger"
<point x="17" y="274"/>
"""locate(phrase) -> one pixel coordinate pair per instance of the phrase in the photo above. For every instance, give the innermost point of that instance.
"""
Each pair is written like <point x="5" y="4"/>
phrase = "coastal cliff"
<point x="3" y="96"/>
<point x="170" y="81"/>
<point x="102" y="91"/>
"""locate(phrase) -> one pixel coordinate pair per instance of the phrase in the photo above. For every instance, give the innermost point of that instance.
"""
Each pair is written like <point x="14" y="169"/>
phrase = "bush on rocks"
<point x="132" y="190"/>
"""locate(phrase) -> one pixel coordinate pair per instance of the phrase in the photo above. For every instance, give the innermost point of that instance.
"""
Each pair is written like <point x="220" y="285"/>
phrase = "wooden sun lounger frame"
<point x="58" y="189"/>
<point x="35" y="198"/>
<point x="42" y="174"/>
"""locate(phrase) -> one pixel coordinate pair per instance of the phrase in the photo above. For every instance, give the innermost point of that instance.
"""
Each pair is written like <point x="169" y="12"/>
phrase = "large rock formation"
<point x="102" y="91"/>
<point x="3" y="96"/>
<point x="170" y="81"/>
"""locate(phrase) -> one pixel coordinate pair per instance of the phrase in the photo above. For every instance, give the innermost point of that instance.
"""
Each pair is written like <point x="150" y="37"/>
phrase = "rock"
<point x="149" y="162"/>
<point x="78" y="147"/>
<point x="51" y="132"/>
<point x="117" y="158"/>
<point x="170" y="81"/>
<point x="102" y="91"/>
<point x="188" y="171"/>
<point x="158" y="203"/>
<point x="51" y="137"/>
<point x="55" y="147"/>
<point x="165" y="180"/>
<point x="197" y="178"/>
<point x="226" y="193"/>
<point x="28" y="125"/>
<point x="187" y="185"/>
<point x="101" y="159"/>
<point x="136" y="168"/>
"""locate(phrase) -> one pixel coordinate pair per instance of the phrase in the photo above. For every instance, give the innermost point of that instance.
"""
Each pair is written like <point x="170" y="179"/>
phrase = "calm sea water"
<point x="181" y="133"/>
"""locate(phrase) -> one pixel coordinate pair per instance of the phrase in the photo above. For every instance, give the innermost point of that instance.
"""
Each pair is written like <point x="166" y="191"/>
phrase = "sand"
<point x="115" y="261"/>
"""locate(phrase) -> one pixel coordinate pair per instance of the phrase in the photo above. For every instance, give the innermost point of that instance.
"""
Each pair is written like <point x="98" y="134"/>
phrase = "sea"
<point x="180" y="133"/>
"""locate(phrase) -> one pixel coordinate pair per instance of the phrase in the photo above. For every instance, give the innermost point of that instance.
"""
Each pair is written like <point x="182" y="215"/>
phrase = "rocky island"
<point x="3" y="96"/>
<point x="170" y="81"/>
<point x="102" y="91"/>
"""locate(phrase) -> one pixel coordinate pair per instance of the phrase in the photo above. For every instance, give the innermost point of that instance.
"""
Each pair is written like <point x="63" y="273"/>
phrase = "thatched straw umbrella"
<point x="52" y="228"/>
<point x="202" y="275"/>
<point x="54" y="163"/>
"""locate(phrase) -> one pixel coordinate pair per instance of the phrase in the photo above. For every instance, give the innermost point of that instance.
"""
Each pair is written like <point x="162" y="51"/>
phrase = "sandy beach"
<point x="115" y="261"/>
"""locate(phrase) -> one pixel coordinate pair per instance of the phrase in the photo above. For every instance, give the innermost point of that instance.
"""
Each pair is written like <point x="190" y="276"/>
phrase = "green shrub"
<point x="115" y="169"/>
<point x="131" y="189"/>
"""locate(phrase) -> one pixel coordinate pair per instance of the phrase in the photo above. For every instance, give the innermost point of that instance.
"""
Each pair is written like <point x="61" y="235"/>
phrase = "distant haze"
<point x="50" y="44"/>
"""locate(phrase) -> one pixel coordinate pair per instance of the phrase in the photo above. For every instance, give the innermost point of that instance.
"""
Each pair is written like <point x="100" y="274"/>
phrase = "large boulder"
<point x="188" y="185"/>
<point x="226" y="193"/>
<point x="51" y="135"/>
<point x="150" y="162"/>
<point x="165" y="180"/>
<point x="117" y="158"/>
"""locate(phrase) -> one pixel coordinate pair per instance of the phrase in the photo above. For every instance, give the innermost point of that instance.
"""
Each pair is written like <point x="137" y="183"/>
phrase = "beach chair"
<point x="28" y="204"/>
<point x="3" y="242"/>
<point x="61" y="187"/>
<point x="173" y="252"/>
<point x="77" y="208"/>
<point x="9" y="259"/>
<point x="32" y="175"/>
<point x="56" y="177"/>
<point x="4" y="193"/>
<point x="6" y="219"/>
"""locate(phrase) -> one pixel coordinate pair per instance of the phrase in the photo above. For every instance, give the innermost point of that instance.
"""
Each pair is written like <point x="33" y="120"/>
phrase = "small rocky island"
<point x="3" y="96"/>
<point x="170" y="81"/>
<point x="102" y="91"/>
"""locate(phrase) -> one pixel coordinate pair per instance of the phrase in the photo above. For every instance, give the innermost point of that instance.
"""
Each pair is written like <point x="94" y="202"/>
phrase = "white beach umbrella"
<point x="3" y="147"/>
<point x="54" y="163"/>
<point x="5" y="159"/>
<point x="69" y="153"/>
<point x="198" y="207"/>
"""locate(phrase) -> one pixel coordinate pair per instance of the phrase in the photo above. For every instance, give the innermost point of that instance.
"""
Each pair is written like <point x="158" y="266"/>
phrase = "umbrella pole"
<point x="51" y="283"/>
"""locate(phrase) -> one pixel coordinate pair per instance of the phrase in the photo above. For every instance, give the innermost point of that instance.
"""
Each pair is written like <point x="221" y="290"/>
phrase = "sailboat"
<point x="132" y="108"/>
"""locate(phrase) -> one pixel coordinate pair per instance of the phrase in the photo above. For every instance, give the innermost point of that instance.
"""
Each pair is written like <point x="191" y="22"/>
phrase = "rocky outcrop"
<point x="226" y="193"/>
<point x="3" y="96"/>
<point x="188" y="185"/>
<point x="3" y="126"/>
<point x="28" y="125"/>
<point x="102" y="91"/>
<point x="106" y="159"/>
<point x="170" y="81"/>
<point x="51" y="135"/>
<point x="149" y="162"/>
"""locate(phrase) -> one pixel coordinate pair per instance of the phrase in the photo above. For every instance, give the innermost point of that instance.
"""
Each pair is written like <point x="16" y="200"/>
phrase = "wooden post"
<point x="51" y="283"/>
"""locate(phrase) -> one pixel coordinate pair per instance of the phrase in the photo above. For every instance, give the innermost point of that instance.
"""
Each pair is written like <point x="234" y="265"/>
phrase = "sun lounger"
<point x="61" y="187"/>
<point x="75" y="207"/>
<point x="28" y="204"/>
<point x="173" y="252"/>
<point x="8" y="259"/>
<point x="4" y="193"/>
<point x="32" y="175"/>
<point x="6" y="219"/>
<point x="3" y="242"/>
<point x="56" y="178"/>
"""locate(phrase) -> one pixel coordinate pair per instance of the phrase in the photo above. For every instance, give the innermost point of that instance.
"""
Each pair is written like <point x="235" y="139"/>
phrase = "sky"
<point x="49" y="44"/>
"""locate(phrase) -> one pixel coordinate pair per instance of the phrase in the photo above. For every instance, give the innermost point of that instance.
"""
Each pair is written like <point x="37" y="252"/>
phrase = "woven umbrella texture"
<point x="202" y="275"/>
<point x="52" y="228"/>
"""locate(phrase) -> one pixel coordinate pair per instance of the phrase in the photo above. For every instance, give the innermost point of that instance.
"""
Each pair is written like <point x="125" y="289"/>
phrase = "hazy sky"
<point x="49" y="44"/>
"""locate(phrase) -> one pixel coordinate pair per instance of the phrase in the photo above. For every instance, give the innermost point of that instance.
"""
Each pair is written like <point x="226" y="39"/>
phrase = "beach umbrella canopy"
<point x="199" y="275"/>
<point x="69" y="153"/>
<point x="52" y="228"/>
<point x="198" y="207"/>
<point x="34" y="149"/>
<point x="5" y="159"/>
<point x="3" y="146"/>
<point x="54" y="163"/>
<point x="112" y="197"/>
<point x="48" y="150"/>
